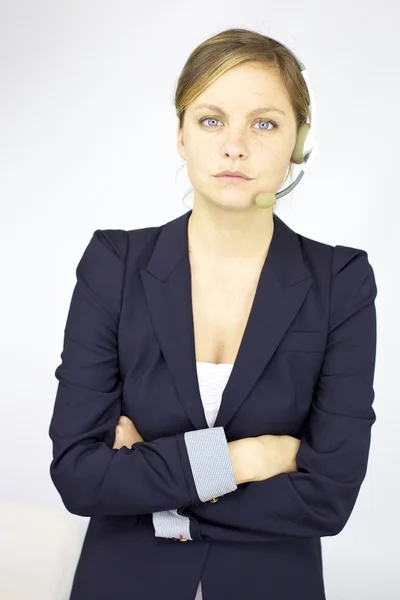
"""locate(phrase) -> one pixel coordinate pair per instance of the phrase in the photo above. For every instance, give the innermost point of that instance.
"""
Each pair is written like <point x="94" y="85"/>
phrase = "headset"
<point x="301" y="153"/>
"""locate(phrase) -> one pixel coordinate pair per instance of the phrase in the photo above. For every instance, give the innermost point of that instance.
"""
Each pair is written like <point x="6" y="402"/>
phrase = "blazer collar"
<point x="166" y="277"/>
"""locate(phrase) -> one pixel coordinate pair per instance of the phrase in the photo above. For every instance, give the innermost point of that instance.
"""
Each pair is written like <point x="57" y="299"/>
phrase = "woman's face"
<point x="232" y="138"/>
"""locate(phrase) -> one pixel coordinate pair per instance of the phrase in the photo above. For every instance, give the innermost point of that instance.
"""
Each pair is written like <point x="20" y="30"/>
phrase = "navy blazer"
<point x="305" y="368"/>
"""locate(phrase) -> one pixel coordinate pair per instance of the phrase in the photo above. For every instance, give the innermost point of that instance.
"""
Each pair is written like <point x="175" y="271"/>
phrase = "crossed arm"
<point x="242" y="461"/>
<point x="252" y="459"/>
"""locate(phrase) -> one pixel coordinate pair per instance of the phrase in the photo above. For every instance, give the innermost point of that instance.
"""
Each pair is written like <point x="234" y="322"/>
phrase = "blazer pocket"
<point x="303" y="341"/>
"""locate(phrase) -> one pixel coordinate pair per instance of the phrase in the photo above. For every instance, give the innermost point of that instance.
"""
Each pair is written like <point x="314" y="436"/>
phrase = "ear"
<point x="179" y="142"/>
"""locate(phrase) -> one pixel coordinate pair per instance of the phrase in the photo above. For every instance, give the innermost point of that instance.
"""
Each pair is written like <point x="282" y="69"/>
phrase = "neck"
<point x="228" y="235"/>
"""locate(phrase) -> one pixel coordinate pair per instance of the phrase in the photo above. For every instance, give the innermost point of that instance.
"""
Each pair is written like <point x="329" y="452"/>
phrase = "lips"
<point x="232" y="179"/>
<point x="233" y="174"/>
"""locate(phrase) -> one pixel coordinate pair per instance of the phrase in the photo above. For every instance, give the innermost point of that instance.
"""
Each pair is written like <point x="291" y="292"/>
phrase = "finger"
<point x="119" y="436"/>
<point x="123" y="433"/>
<point x="128" y="425"/>
<point x="125" y="421"/>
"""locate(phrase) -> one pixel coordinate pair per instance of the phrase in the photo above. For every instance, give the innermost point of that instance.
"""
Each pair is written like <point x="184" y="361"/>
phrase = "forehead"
<point x="246" y="86"/>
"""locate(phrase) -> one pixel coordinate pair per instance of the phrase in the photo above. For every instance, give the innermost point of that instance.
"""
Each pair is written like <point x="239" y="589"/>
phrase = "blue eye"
<point x="275" y="126"/>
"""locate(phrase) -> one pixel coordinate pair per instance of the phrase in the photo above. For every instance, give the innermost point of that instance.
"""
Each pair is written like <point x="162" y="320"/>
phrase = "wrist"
<point x="242" y="454"/>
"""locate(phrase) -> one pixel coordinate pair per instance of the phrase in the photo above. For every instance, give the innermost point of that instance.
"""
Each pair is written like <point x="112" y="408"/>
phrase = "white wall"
<point x="86" y="115"/>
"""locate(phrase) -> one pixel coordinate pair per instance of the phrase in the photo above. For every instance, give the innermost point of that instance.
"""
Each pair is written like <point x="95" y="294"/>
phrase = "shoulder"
<point x="336" y="257"/>
<point x="124" y="241"/>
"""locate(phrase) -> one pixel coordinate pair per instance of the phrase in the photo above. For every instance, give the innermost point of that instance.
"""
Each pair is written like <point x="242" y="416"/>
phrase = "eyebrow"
<point x="251" y="113"/>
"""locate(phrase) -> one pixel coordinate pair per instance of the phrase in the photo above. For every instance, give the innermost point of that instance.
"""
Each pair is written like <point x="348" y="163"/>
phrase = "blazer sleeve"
<point x="318" y="498"/>
<point x="91" y="477"/>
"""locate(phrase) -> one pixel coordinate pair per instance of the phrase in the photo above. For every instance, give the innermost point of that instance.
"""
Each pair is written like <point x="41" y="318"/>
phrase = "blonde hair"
<point x="233" y="47"/>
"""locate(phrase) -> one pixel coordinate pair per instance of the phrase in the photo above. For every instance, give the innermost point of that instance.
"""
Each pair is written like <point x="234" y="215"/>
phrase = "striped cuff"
<point x="210" y="461"/>
<point x="169" y="524"/>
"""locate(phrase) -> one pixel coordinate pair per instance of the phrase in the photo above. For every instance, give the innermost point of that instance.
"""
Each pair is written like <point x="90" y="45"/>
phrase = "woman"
<point x="216" y="383"/>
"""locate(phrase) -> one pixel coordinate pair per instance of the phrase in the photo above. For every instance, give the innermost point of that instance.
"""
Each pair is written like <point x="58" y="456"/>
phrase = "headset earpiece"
<point x="298" y="152"/>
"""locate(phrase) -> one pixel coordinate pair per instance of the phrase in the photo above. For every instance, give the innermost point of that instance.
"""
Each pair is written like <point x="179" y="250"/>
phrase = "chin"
<point x="225" y="198"/>
<point x="236" y="203"/>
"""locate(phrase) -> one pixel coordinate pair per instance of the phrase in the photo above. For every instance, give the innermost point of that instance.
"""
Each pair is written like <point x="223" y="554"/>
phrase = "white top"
<point x="212" y="381"/>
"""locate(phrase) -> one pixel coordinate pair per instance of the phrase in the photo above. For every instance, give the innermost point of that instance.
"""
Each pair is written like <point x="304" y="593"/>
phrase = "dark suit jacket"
<point x="305" y="368"/>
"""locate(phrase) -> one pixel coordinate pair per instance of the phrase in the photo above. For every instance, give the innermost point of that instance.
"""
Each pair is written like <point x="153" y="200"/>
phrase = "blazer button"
<point x="214" y="500"/>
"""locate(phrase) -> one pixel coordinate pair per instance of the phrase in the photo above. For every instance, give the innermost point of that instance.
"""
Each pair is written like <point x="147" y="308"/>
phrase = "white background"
<point x="86" y="117"/>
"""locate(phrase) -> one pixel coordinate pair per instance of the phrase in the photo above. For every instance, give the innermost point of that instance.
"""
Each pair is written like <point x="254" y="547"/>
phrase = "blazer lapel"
<point x="282" y="288"/>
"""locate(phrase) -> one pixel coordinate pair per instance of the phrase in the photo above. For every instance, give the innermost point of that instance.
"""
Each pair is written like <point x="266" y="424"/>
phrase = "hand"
<point x="259" y="458"/>
<point x="277" y="454"/>
<point x="126" y="433"/>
